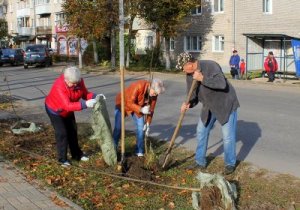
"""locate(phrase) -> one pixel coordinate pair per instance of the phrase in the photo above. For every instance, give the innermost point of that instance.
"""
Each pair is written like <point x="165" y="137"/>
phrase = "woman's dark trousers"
<point x="65" y="135"/>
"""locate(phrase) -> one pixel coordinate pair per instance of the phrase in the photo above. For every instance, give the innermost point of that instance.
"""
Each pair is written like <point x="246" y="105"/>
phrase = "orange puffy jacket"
<point x="136" y="96"/>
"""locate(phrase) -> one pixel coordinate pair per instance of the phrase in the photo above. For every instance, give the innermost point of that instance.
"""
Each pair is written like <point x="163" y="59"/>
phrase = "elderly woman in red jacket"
<point x="271" y="66"/>
<point x="68" y="94"/>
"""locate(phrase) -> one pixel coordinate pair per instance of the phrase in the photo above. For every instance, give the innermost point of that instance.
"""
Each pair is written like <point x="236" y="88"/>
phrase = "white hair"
<point x="72" y="74"/>
<point x="157" y="85"/>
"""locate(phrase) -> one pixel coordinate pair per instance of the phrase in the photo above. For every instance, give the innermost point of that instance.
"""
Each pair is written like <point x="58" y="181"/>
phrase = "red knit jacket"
<point x="64" y="100"/>
<point x="270" y="65"/>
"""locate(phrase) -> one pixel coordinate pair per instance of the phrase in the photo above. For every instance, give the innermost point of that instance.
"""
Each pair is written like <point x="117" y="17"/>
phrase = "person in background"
<point x="219" y="103"/>
<point x="234" y="63"/>
<point x="271" y="66"/>
<point x="242" y="68"/>
<point x="140" y="101"/>
<point x="68" y="94"/>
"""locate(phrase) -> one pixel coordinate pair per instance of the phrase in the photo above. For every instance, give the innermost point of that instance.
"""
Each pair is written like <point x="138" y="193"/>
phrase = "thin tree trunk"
<point x="127" y="58"/>
<point x="79" y="53"/>
<point x="129" y="42"/>
<point x="113" y="49"/>
<point x="96" y="60"/>
<point x="167" y="53"/>
<point x="157" y="38"/>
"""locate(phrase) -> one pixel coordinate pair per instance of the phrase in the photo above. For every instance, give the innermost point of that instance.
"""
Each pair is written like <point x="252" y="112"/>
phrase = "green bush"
<point x="254" y="74"/>
<point x="102" y="50"/>
<point x="133" y="57"/>
<point x="153" y="54"/>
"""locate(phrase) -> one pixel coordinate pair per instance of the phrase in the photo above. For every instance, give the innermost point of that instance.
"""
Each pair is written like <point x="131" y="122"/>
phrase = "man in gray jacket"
<point x="220" y="104"/>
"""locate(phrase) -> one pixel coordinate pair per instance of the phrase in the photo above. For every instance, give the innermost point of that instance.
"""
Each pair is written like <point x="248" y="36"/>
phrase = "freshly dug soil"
<point x="134" y="167"/>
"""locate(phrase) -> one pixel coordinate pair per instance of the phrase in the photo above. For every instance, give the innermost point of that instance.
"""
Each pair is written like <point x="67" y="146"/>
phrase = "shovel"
<point x="164" y="159"/>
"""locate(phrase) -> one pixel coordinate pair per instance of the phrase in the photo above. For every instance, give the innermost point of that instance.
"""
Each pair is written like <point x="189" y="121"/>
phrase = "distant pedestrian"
<point x="271" y="66"/>
<point x="234" y="63"/>
<point x="68" y="94"/>
<point x="242" y="68"/>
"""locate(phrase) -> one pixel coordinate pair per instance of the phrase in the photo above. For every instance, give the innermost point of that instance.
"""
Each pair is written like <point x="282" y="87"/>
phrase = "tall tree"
<point x="89" y="19"/>
<point x="3" y="29"/>
<point x="132" y="9"/>
<point x="168" y="16"/>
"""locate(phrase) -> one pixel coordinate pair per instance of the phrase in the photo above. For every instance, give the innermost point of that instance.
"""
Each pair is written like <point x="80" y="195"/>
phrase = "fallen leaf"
<point x="49" y="181"/>
<point x="113" y="197"/>
<point x="58" y="202"/>
<point x="119" y="206"/>
<point x="125" y="186"/>
<point x="182" y="192"/>
<point x="171" y="205"/>
<point x="164" y="196"/>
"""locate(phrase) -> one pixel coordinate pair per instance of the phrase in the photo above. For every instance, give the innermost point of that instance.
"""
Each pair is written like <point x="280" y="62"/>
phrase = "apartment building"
<point x="267" y="25"/>
<point x="40" y="22"/>
<point x="253" y="27"/>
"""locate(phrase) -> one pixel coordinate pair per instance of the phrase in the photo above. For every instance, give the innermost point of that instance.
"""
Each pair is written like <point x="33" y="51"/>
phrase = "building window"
<point x="218" y="44"/>
<point x="60" y="18"/>
<point x="24" y="22"/>
<point x="23" y="4"/>
<point x="44" y="21"/>
<point x="197" y="11"/>
<point x="39" y="2"/>
<point x="218" y="6"/>
<point x="192" y="43"/>
<point x="172" y="44"/>
<point x="267" y="6"/>
<point x="149" y="42"/>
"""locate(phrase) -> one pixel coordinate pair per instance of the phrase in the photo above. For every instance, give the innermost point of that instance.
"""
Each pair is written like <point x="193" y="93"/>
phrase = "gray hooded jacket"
<point x="215" y="93"/>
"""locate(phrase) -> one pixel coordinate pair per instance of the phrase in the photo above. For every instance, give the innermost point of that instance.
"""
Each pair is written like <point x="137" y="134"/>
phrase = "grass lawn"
<point x="92" y="186"/>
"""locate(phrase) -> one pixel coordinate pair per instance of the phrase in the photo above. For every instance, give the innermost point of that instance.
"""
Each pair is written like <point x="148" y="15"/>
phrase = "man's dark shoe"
<point x="229" y="170"/>
<point x="195" y="166"/>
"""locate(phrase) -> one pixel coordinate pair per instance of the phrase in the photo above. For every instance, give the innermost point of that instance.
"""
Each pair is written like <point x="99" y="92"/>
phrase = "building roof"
<point x="269" y="36"/>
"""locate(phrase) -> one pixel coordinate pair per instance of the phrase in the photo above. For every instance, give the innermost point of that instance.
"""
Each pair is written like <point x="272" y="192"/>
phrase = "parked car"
<point x="11" y="56"/>
<point x="37" y="54"/>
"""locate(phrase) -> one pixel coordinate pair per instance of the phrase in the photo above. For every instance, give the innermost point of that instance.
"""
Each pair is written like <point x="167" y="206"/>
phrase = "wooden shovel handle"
<point x="193" y="86"/>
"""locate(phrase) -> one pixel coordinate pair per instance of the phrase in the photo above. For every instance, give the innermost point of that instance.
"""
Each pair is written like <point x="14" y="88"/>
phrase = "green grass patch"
<point x="90" y="186"/>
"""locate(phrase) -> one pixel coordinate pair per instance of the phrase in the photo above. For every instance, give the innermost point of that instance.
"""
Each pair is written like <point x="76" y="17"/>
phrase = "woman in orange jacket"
<point x="140" y="100"/>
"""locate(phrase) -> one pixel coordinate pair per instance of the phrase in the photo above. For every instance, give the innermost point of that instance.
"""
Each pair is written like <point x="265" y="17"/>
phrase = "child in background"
<point x="242" y="68"/>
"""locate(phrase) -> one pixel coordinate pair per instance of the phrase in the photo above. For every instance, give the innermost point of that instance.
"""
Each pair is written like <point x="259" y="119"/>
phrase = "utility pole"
<point x="34" y="22"/>
<point x="121" y="45"/>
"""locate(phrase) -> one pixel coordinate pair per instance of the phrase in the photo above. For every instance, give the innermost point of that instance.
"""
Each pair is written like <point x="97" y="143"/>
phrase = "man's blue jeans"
<point x="229" y="139"/>
<point x="139" y="125"/>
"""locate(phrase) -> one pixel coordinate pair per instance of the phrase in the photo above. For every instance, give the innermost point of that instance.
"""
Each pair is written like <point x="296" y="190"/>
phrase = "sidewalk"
<point x="17" y="193"/>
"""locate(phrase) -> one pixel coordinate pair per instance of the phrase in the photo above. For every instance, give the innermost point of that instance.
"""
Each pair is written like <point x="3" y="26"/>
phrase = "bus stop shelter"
<point x="258" y="46"/>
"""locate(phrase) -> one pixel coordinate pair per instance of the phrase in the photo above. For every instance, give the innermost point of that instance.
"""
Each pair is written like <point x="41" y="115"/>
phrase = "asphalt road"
<point x="268" y="119"/>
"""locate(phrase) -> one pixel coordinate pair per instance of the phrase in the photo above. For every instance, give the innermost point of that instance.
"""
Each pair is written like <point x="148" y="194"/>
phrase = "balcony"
<point x="43" y="9"/>
<point x="25" y="31"/>
<point x="42" y="30"/>
<point x="25" y="12"/>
